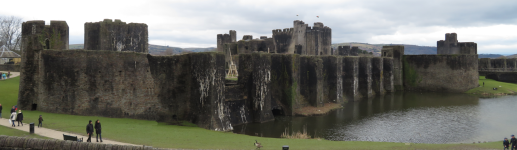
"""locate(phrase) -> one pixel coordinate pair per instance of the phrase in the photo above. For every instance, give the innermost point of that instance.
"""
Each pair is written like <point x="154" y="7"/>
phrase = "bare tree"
<point x="10" y="32"/>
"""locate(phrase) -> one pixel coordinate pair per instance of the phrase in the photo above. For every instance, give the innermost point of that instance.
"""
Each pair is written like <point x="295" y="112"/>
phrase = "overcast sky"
<point x="189" y="23"/>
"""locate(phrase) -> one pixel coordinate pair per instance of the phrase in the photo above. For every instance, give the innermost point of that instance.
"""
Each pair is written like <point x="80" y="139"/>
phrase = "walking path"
<point x="55" y="134"/>
<point x="13" y="74"/>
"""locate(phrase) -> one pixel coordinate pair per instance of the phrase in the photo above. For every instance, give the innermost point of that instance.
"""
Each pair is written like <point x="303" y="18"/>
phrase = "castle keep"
<point x="294" y="69"/>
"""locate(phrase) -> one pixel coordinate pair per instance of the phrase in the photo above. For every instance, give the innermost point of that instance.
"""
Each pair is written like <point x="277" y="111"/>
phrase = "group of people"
<point x="512" y="141"/>
<point x="18" y="117"/>
<point x="4" y="75"/>
<point x="89" y="130"/>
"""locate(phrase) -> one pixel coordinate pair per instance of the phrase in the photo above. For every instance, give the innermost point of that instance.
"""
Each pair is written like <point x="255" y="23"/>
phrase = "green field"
<point x="503" y="88"/>
<point x="144" y="132"/>
<point x="14" y="132"/>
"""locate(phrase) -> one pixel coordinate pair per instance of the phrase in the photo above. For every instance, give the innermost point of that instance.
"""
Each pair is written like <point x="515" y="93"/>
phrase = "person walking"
<point x="40" y="121"/>
<point x="8" y="74"/>
<point x="506" y="144"/>
<point x="19" y="117"/>
<point x="98" y="130"/>
<point x="13" y="118"/>
<point x="0" y="110"/>
<point x="513" y="141"/>
<point x="13" y="110"/>
<point x="89" y="130"/>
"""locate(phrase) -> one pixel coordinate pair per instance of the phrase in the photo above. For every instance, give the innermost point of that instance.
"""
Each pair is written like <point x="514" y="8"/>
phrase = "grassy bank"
<point x="14" y="132"/>
<point x="146" y="132"/>
<point x="503" y="88"/>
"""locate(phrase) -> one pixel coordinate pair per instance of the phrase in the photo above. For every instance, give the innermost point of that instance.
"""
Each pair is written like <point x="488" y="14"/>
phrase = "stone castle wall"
<point x="126" y="85"/>
<point x="443" y="73"/>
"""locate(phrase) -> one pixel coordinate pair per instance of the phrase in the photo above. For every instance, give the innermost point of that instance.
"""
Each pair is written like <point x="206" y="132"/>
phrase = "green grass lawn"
<point x="503" y="88"/>
<point x="14" y="132"/>
<point x="145" y="132"/>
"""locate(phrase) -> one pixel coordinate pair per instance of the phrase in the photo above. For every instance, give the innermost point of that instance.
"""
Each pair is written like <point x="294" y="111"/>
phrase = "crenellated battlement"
<point x="285" y="30"/>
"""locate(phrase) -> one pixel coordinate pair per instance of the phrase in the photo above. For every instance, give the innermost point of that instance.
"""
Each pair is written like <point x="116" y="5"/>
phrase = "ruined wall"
<point x="484" y="63"/>
<point x="343" y="51"/>
<point x="311" y="80"/>
<point x="354" y="51"/>
<point x="503" y="76"/>
<point x="377" y="75"/>
<point x="283" y="40"/>
<point x="255" y="45"/>
<point x="318" y="40"/>
<point x="260" y="92"/>
<point x="511" y="63"/>
<point x="53" y="36"/>
<point x="351" y="78"/>
<point x="233" y="36"/>
<point x="116" y="36"/>
<point x="285" y="82"/>
<point x="125" y="85"/>
<point x="444" y="73"/>
<point x="223" y="39"/>
<point x="365" y="77"/>
<point x="332" y="80"/>
<point x="172" y="86"/>
<point x="395" y="52"/>
<point x="255" y="81"/>
<point x="387" y="74"/>
<point x="29" y="73"/>
<point x="102" y="83"/>
<point x="207" y="91"/>
<point x="498" y="63"/>
<point x="451" y="46"/>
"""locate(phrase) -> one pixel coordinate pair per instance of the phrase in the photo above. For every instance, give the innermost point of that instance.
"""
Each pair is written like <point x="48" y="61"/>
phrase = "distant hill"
<point x="158" y="49"/>
<point x="489" y="56"/>
<point x="376" y="48"/>
<point x="508" y="57"/>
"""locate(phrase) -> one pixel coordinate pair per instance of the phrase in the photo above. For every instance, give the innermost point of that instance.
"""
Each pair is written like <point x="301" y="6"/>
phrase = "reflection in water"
<point x="404" y="117"/>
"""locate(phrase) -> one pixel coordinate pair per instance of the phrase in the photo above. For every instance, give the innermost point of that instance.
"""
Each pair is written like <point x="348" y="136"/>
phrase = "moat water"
<point x="405" y="117"/>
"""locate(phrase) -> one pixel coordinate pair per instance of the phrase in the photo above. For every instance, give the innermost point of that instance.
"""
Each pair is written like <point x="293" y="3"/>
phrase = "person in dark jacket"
<point x="89" y="130"/>
<point x="513" y="141"/>
<point x="13" y="110"/>
<point x="19" y="117"/>
<point x="98" y="130"/>
<point x="506" y="144"/>
<point x="0" y="110"/>
<point x="40" y="121"/>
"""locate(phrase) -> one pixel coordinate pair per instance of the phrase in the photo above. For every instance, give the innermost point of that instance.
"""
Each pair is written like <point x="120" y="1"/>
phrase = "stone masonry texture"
<point x="443" y="73"/>
<point x="116" y="36"/>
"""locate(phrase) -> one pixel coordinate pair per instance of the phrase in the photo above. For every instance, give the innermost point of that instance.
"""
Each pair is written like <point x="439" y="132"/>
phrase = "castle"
<point x="294" y="69"/>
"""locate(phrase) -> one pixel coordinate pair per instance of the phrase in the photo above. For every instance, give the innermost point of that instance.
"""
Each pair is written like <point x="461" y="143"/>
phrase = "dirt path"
<point x="53" y="133"/>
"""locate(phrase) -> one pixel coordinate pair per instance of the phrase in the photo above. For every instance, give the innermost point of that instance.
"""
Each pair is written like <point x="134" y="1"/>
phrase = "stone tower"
<point x="452" y="46"/>
<point x="53" y="36"/>
<point x="396" y="52"/>
<point x="116" y="36"/>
